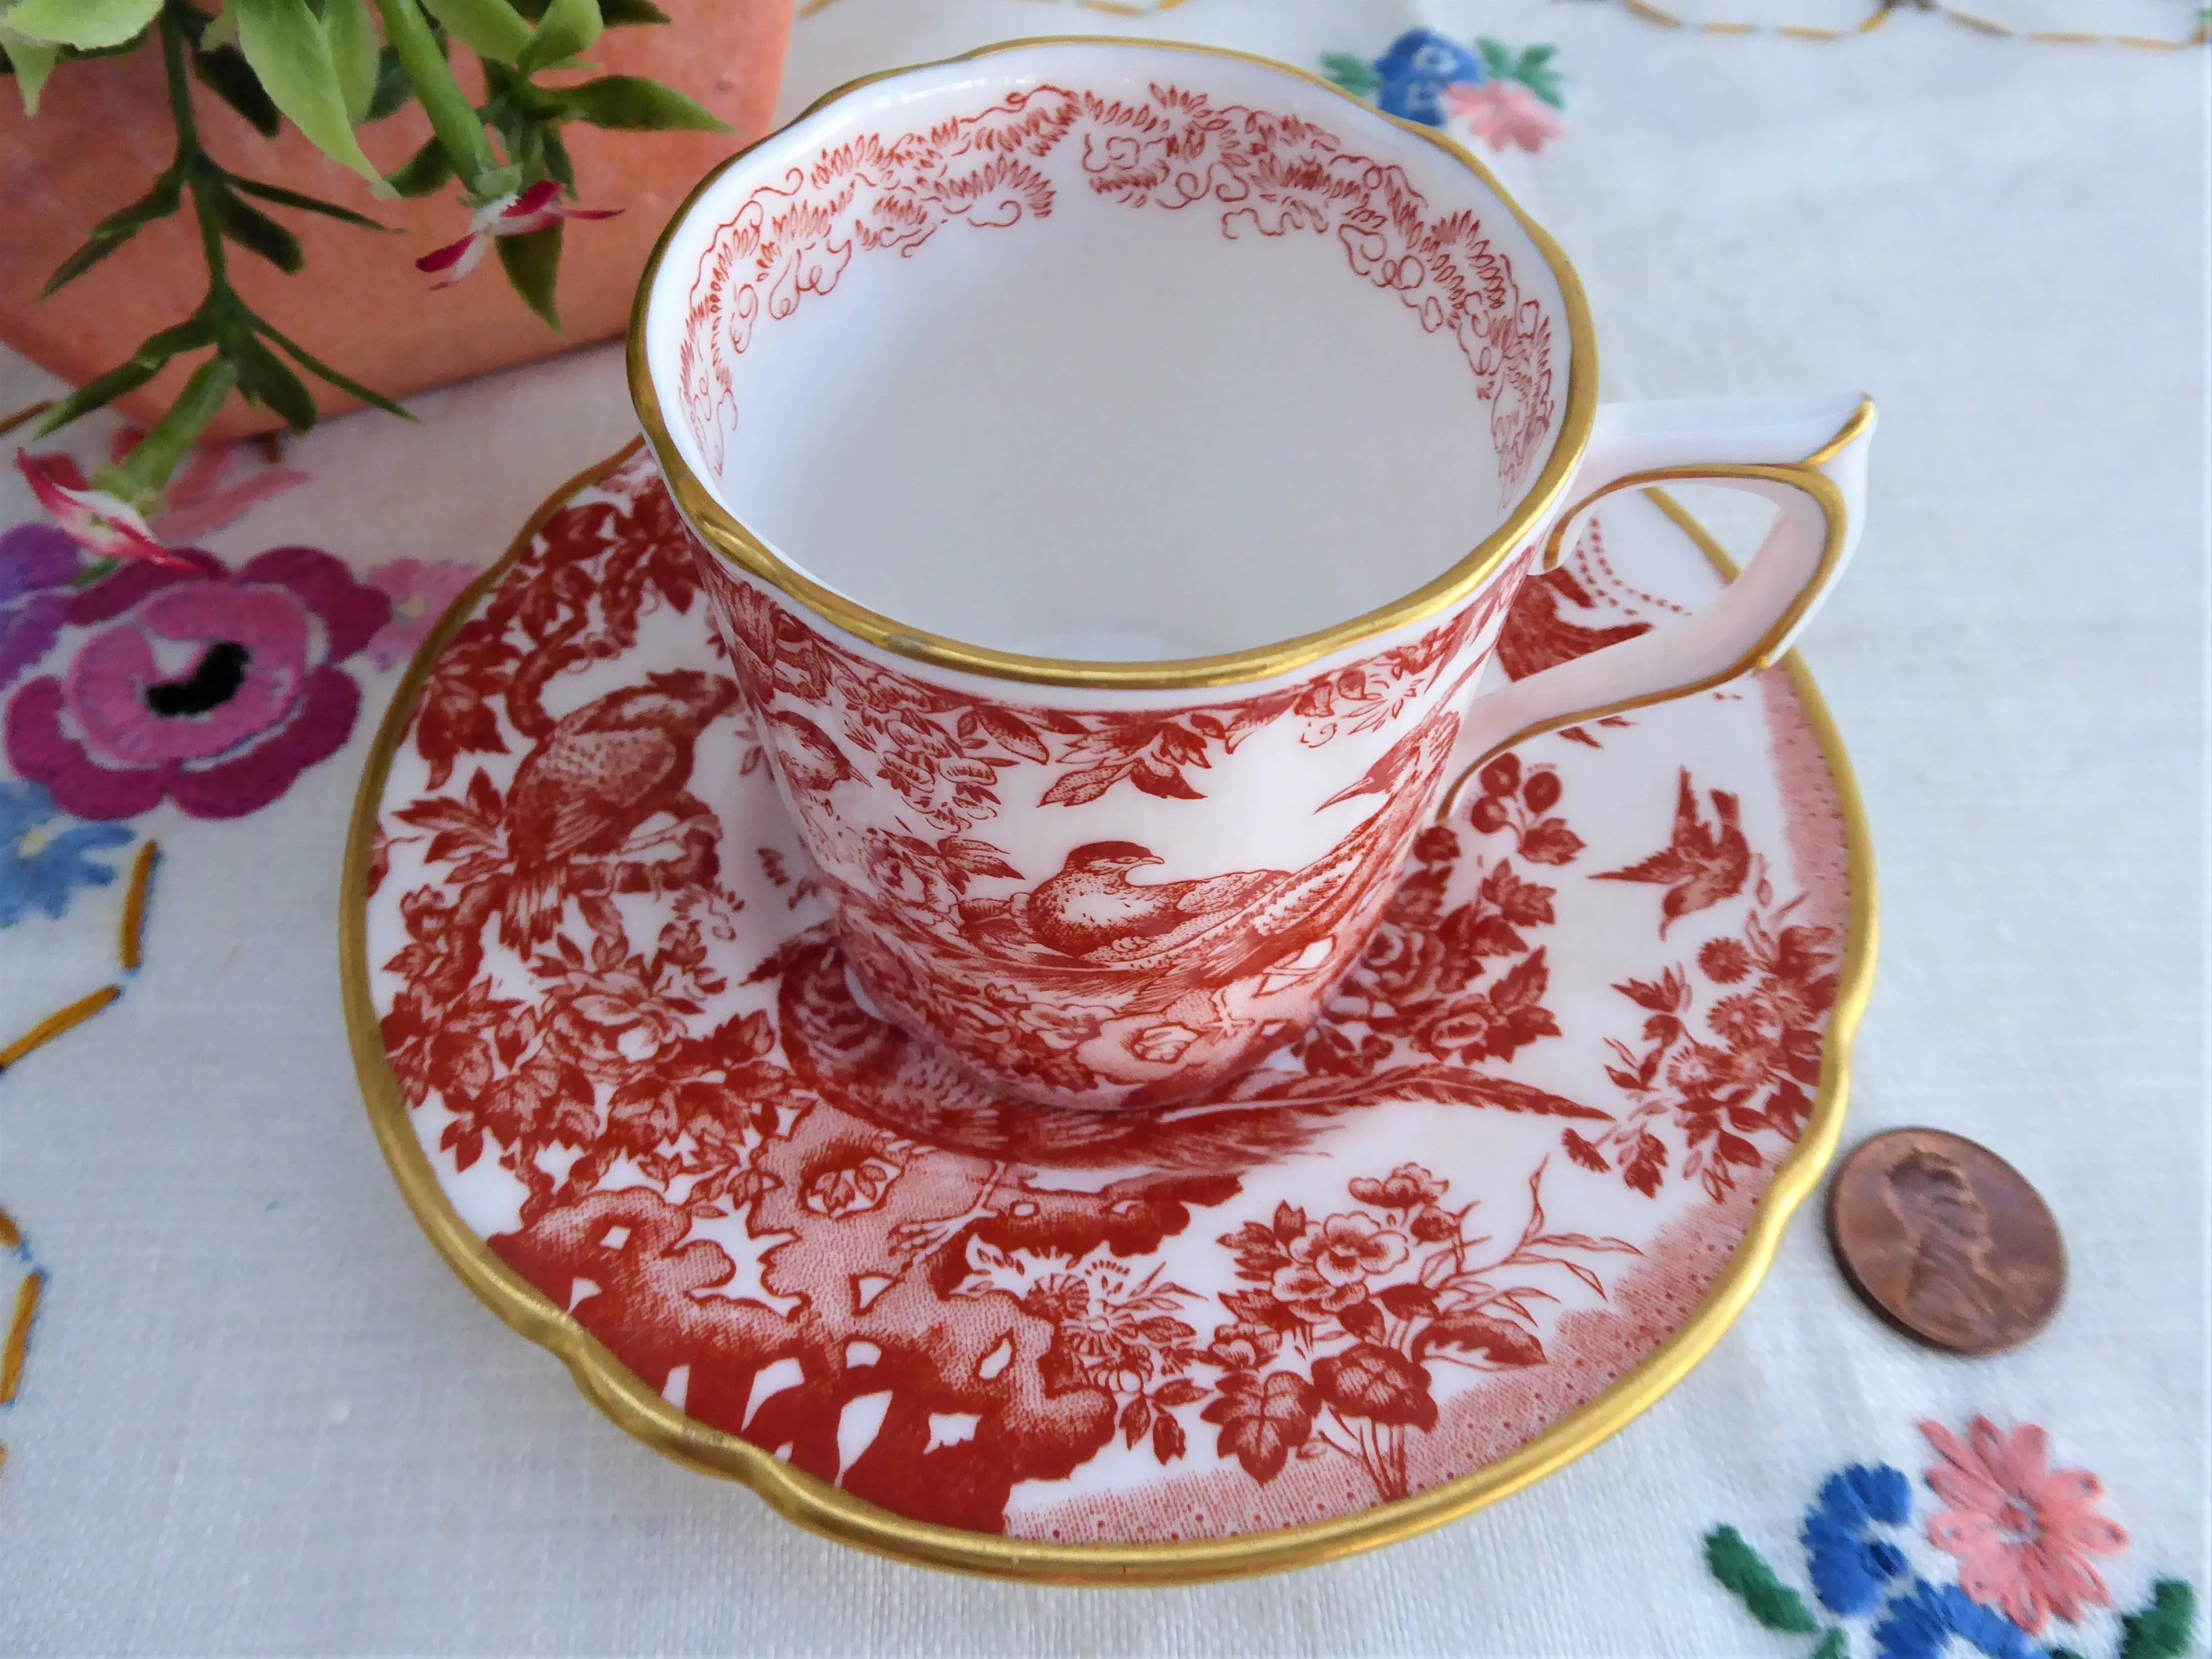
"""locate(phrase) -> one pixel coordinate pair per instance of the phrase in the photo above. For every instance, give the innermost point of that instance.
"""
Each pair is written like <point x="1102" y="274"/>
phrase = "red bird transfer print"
<point x="1703" y="864"/>
<point x="594" y="780"/>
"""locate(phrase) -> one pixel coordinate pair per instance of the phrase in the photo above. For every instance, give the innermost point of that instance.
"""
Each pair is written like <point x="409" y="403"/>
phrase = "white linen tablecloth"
<point x="258" y="1413"/>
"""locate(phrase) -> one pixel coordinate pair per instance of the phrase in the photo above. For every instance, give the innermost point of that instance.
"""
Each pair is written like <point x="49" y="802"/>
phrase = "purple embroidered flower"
<point x="420" y="595"/>
<point x="36" y="562"/>
<point x="212" y="688"/>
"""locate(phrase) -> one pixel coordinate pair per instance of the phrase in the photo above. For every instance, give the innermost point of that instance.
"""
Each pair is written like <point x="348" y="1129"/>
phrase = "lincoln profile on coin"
<point x="1950" y="1285"/>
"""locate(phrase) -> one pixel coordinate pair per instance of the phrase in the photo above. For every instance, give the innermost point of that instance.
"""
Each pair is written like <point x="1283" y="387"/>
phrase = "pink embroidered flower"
<point x="100" y="523"/>
<point x="420" y="594"/>
<point x="536" y="209"/>
<point x="1504" y="115"/>
<point x="2023" y="1532"/>
<point x="196" y="501"/>
<point x="212" y="688"/>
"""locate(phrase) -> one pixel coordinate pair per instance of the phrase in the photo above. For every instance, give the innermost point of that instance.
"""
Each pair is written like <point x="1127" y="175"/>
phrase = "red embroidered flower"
<point x="2023" y="1532"/>
<point x="536" y="209"/>
<point x="1504" y="115"/>
<point x="212" y="688"/>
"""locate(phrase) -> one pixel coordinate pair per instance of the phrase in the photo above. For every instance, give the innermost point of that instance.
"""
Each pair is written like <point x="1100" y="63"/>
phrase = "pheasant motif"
<point x="1703" y="864"/>
<point x="597" y="778"/>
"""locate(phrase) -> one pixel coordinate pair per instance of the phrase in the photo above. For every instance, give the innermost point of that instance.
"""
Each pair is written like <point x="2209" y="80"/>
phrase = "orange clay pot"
<point x="103" y="132"/>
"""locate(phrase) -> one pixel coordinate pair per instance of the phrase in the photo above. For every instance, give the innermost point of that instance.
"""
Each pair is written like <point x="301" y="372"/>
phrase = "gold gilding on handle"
<point x="833" y="1513"/>
<point x="732" y="540"/>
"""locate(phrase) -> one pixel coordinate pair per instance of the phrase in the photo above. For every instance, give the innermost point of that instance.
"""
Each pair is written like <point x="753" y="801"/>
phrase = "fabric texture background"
<point x="261" y="1415"/>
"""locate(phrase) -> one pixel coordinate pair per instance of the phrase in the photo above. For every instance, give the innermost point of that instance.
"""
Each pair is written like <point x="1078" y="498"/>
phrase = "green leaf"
<point x="568" y="26"/>
<point x="292" y="198"/>
<point x="532" y="263"/>
<point x="631" y="103"/>
<point x="393" y="91"/>
<point x="225" y="72"/>
<point x="490" y="29"/>
<point x="354" y="51"/>
<point x="1834" y="1645"/>
<point x="1355" y="75"/>
<point x="257" y="233"/>
<point x="33" y="62"/>
<point x="323" y="371"/>
<point x="118" y="227"/>
<point x="426" y="170"/>
<point x="264" y="376"/>
<point x="558" y="167"/>
<point x="83" y="23"/>
<point x="285" y="43"/>
<point x="617" y="13"/>
<point x="2162" y="1629"/>
<point x="1740" y="1569"/>
<point x="140" y="366"/>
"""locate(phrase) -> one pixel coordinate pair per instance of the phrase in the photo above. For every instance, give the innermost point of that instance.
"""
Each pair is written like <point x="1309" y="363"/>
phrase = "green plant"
<point x="331" y="67"/>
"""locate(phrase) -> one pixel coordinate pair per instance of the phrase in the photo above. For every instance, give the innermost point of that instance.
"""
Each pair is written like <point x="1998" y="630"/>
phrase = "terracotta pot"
<point x="103" y="132"/>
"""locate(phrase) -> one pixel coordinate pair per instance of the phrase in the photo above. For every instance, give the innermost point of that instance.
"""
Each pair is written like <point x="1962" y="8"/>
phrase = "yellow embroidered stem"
<point x="11" y="1236"/>
<point x="133" y="931"/>
<point x="10" y="422"/>
<point x="19" y="1337"/>
<point x="54" y="1025"/>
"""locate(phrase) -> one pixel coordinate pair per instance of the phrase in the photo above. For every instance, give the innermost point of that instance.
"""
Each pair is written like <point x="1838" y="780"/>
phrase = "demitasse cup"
<point x="1114" y="462"/>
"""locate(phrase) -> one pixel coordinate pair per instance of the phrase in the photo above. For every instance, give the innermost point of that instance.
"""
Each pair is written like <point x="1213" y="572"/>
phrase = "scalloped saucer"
<point x="1519" y="1180"/>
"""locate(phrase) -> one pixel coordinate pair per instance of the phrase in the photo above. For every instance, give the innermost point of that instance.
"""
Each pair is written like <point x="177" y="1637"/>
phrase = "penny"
<point x="1946" y="1241"/>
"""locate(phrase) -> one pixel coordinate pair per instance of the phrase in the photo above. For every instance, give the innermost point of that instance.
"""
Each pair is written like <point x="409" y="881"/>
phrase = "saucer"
<point x="1519" y="1180"/>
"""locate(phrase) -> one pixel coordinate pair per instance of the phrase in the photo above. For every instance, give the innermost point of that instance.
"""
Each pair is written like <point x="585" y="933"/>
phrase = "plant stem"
<point x="190" y="157"/>
<point x="139" y="477"/>
<point x="461" y="131"/>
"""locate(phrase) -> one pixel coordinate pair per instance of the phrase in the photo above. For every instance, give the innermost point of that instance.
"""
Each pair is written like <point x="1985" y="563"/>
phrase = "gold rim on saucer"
<point x="821" y="1508"/>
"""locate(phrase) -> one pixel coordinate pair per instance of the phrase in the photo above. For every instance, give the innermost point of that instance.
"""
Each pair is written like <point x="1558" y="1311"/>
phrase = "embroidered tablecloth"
<point x="246" y="1407"/>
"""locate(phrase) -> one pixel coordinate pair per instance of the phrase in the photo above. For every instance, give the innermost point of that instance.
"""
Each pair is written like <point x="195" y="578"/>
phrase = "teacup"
<point x="1114" y="462"/>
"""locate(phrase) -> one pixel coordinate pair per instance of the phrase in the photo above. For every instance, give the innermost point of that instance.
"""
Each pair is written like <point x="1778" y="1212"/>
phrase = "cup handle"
<point x="1807" y="456"/>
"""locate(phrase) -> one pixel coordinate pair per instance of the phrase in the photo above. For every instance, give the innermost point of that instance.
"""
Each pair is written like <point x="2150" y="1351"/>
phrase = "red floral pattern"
<point x="1162" y="989"/>
<point x="1270" y="174"/>
<point x="646" y="1082"/>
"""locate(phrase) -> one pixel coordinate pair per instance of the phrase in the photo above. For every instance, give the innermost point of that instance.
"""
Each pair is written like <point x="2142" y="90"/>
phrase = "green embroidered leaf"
<point x="568" y="26"/>
<point x="224" y="71"/>
<point x="1355" y="75"/>
<point x="1833" y="1645"/>
<point x="629" y="103"/>
<point x="83" y="24"/>
<point x="292" y="198"/>
<point x="532" y="263"/>
<point x="33" y="62"/>
<point x="285" y="43"/>
<point x="118" y="227"/>
<point x="2162" y="1629"/>
<point x="490" y="29"/>
<point x="257" y="233"/>
<point x="2060" y="1653"/>
<point x="355" y="52"/>
<point x="1743" y="1570"/>
<point x="1531" y="68"/>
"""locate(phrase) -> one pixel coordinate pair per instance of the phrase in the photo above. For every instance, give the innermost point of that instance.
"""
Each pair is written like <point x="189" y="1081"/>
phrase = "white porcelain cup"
<point x="1114" y="462"/>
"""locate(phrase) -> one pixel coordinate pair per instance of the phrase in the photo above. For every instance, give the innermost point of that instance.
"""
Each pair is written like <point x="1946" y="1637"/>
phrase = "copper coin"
<point x="1946" y="1241"/>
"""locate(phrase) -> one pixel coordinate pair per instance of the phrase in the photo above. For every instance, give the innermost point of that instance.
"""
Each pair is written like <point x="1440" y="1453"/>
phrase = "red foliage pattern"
<point x="1272" y="173"/>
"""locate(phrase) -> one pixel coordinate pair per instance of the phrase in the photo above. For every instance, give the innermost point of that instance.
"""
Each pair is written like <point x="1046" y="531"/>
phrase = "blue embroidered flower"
<point x="40" y="869"/>
<point x="1420" y="65"/>
<point x="1920" y="1624"/>
<point x="36" y="562"/>
<point x="1850" y="1570"/>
